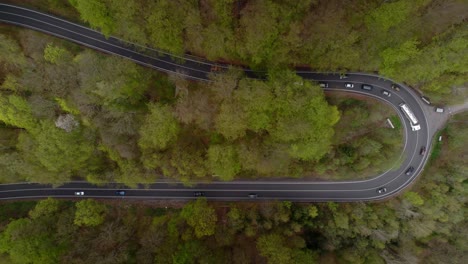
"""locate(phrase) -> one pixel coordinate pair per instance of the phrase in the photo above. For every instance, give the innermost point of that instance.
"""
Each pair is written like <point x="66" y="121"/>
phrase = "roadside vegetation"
<point x="364" y="143"/>
<point x="421" y="43"/>
<point x="426" y="225"/>
<point x="69" y="113"/>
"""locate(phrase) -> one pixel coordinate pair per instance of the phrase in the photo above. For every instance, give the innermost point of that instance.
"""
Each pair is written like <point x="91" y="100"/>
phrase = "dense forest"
<point x="420" y="42"/>
<point x="72" y="113"/>
<point x="425" y="225"/>
<point x="68" y="113"/>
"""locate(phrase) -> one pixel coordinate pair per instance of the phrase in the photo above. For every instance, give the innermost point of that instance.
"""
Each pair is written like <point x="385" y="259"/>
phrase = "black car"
<point x="409" y="171"/>
<point x="253" y="195"/>
<point x="120" y="193"/>
<point x="422" y="151"/>
<point x="198" y="194"/>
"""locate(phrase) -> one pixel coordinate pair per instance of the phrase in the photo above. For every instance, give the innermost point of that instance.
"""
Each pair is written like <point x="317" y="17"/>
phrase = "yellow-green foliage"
<point x="67" y="107"/>
<point x="10" y="83"/>
<point x="54" y="54"/>
<point x="15" y="111"/>
<point x="391" y="14"/>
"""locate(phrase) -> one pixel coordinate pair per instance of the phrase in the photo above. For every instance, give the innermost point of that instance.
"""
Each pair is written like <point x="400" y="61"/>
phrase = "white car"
<point x="439" y="110"/>
<point x="386" y="93"/>
<point x="79" y="193"/>
<point x="349" y="85"/>
<point x="415" y="127"/>
<point x="323" y="85"/>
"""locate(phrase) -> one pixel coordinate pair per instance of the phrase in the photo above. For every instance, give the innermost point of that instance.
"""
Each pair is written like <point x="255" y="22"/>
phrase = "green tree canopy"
<point x="27" y="241"/>
<point x="159" y="129"/>
<point x="223" y="161"/>
<point x="90" y="213"/>
<point x="10" y="52"/>
<point x="55" y="54"/>
<point x="96" y="14"/>
<point x="303" y="117"/>
<point x="272" y="247"/>
<point x="201" y="217"/>
<point x="59" y="151"/>
<point x="15" y="111"/>
<point x="45" y="207"/>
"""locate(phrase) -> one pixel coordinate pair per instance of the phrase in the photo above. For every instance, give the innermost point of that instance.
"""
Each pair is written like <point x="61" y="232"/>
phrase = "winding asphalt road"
<point x="394" y="180"/>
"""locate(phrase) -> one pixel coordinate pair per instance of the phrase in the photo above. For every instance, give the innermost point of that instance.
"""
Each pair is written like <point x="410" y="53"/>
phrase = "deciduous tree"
<point x="159" y="128"/>
<point x="201" y="217"/>
<point x="223" y="161"/>
<point x="90" y="213"/>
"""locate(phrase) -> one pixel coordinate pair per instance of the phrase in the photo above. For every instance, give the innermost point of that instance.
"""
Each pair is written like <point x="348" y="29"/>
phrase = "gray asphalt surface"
<point x="394" y="180"/>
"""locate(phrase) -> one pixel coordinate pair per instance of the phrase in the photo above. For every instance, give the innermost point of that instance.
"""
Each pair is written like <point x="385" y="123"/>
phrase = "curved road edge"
<point x="395" y="181"/>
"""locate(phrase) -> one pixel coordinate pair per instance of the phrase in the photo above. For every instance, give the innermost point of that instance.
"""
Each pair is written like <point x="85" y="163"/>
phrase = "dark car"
<point x="120" y="193"/>
<point x="366" y="87"/>
<point x="395" y="87"/>
<point x="253" y="195"/>
<point x="409" y="171"/>
<point x="422" y="152"/>
<point x="198" y="194"/>
<point x="381" y="190"/>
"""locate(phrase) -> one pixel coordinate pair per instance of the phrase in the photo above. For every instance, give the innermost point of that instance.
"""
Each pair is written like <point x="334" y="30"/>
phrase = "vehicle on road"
<point x="366" y="87"/>
<point x="411" y="117"/>
<point x="253" y="195"/>
<point x="426" y="100"/>
<point x="422" y="152"/>
<point x="395" y="87"/>
<point x="386" y="93"/>
<point x="343" y="76"/>
<point x="215" y="68"/>
<point x="439" y="110"/>
<point x="120" y="193"/>
<point x="349" y="85"/>
<point x="381" y="190"/>
<point x="199" y="70"/>
<point x="199" y="194"/>
<point x="409" y="171"/>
